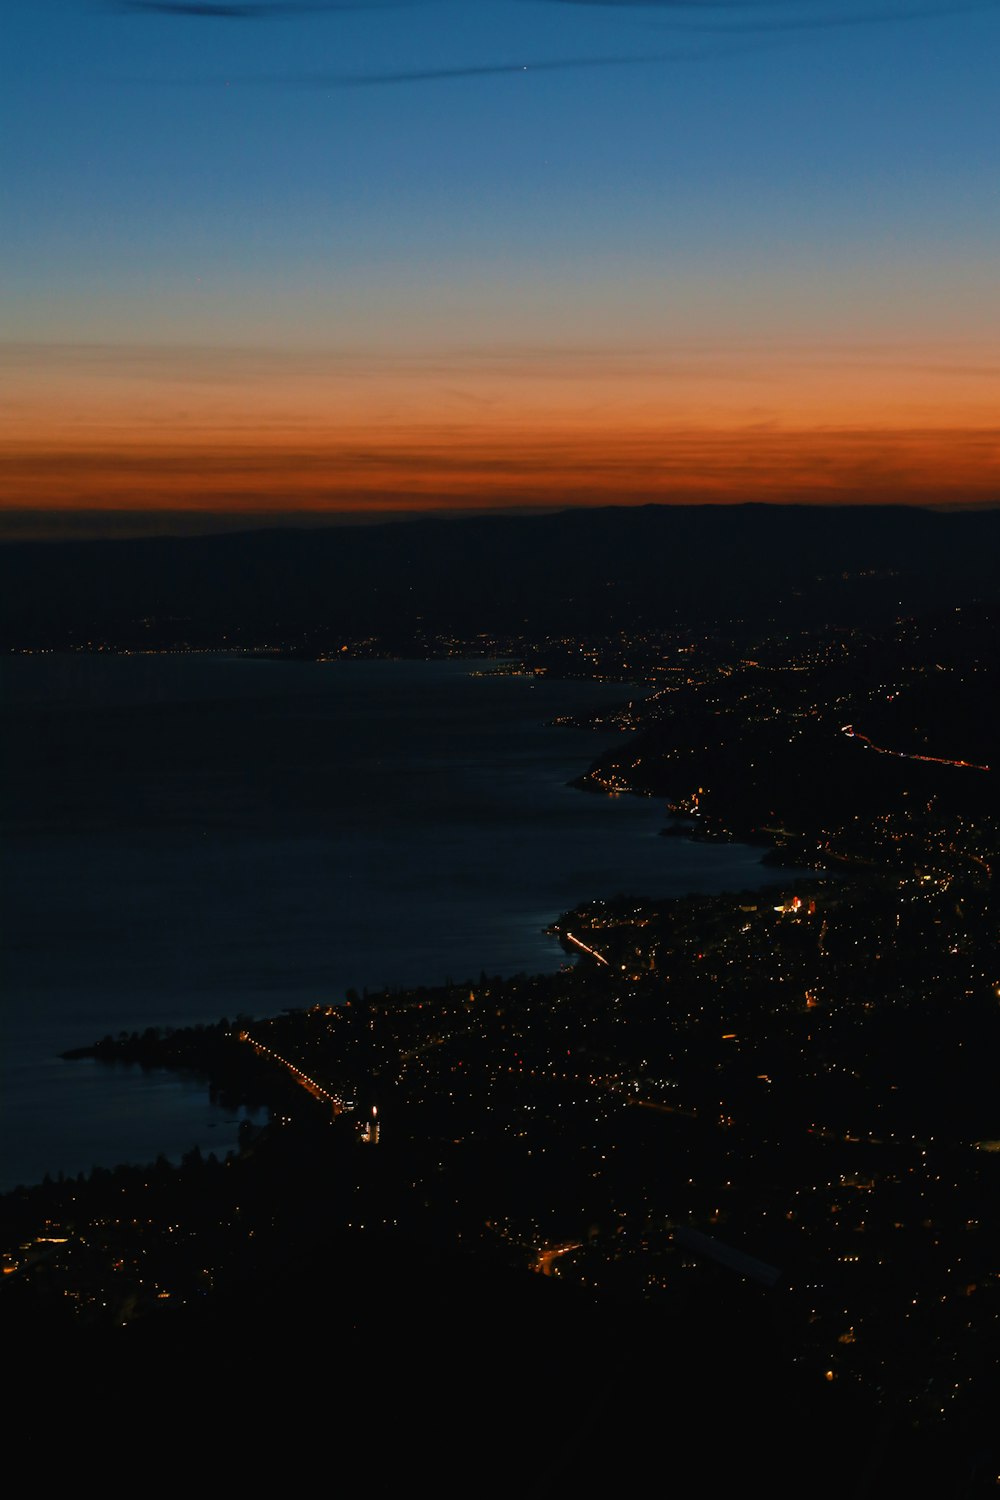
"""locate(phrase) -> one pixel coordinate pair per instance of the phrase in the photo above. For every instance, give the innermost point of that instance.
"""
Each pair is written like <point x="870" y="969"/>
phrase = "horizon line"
<point x="24" y="525"/>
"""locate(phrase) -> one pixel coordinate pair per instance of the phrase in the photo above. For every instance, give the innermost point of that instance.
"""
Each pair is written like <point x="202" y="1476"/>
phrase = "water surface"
<point x="192" y="836"/>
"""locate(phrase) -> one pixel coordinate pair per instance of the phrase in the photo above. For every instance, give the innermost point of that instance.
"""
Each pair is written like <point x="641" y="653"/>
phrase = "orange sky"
<point x="188" y="429"/>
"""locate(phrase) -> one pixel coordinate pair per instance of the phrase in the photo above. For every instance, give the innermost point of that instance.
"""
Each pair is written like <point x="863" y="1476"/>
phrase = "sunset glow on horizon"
<point x="755" y="272"/>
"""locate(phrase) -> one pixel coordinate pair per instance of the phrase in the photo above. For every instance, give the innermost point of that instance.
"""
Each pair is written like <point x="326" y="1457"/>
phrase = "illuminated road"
<point x="936" y="760"/>
<point x="309" y="1084"/>
<point x="665" y="1109"/>
<point x="543" y="1260"/>
<point x="592" y="951"/>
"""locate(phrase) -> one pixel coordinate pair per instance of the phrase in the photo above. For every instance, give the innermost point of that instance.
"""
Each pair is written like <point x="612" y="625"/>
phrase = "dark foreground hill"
<point x="356" y="1367"/>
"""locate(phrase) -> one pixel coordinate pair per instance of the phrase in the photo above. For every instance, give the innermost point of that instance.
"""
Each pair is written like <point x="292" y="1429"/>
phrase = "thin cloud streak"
<point x="487" y="70"/>
<point x="252" y="10"/>
<point x="469" y="467"/>
<point x="833" y="21"/>
<point x="758" y="28"/>
<point x="256" y="10"/>
<point x="832" y="15"/>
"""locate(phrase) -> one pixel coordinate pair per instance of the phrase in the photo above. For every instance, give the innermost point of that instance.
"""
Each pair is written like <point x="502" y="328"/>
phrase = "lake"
<point x="188" y="836"/>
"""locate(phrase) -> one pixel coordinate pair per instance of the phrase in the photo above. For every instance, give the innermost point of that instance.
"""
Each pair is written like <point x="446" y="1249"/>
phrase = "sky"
<point x="275" y="261"/>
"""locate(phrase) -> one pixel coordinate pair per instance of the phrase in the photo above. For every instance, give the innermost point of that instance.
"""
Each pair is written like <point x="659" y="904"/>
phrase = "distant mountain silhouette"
<point x="578" y="571"/>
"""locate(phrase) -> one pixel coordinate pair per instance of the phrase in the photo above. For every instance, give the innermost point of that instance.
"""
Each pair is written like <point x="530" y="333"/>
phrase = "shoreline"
<point x="259" y="1001"/>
